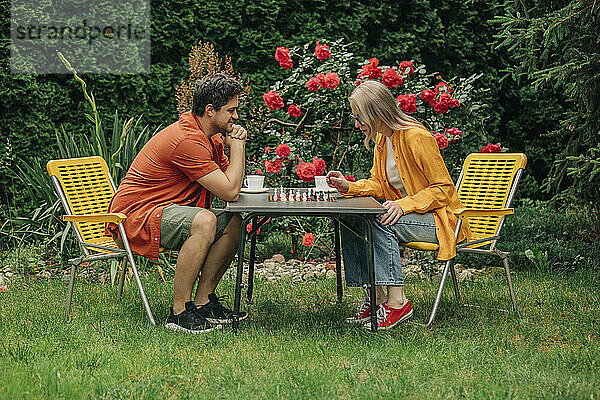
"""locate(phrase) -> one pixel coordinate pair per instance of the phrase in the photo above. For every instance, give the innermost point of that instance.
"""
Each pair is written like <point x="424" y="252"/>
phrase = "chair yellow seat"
<point x="486" y="187"/>
<point x="422" y="246"/>
<point x="86" y="188"/>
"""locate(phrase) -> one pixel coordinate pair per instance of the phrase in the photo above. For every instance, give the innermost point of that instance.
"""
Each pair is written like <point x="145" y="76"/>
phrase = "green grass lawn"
<point x="296" y="345"/>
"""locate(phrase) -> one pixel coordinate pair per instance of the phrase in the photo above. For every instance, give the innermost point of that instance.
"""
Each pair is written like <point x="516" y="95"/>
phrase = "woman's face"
<point x="358" y="123"/>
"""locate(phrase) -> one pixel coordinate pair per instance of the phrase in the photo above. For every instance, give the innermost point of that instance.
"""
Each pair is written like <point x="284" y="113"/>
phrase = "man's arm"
<point x="226" y="185"/>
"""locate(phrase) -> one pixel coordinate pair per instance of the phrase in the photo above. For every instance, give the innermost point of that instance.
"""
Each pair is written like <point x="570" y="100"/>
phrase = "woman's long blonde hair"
<point x="374" y="102"/>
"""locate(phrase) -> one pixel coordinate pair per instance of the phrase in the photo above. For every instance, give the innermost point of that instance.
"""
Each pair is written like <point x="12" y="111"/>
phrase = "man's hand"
<point x="335" y="179"/>
<point x="237" y="134"/>
<point x="393" y="214"/>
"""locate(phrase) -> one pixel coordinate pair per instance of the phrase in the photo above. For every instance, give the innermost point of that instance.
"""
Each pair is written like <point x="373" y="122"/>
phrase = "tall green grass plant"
<point x="44" y="224"/>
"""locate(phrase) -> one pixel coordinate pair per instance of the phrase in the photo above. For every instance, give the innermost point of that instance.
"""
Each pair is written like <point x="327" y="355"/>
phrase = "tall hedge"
<point x="450" y="36"/>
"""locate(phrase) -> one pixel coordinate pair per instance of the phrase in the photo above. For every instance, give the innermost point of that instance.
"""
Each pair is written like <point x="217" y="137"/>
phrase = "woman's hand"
<point x="336" y="180"/>
<point x="393" y="214"/>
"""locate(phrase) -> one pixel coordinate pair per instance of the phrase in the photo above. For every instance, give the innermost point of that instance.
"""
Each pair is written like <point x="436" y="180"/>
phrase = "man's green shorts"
<point x="176" y="224"/>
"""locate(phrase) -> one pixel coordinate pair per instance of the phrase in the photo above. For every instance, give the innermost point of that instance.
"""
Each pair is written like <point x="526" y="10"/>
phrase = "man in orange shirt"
<point x="167" y="194"/>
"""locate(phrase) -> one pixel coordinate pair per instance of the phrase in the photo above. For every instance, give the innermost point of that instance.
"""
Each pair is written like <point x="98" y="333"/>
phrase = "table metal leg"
<point x="251" y="264"/>
<point x="371" y="261"/>
<point x="240" y="273"/>
<point x="338" y="258"/>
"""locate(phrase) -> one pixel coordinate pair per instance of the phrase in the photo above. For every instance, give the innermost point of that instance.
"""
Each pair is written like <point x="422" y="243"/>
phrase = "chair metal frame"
<point x="520" y="160"/>
<point x="66" y="175"/>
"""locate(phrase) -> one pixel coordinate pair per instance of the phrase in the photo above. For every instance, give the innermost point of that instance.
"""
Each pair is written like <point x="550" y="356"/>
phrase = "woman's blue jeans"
<point x="386" y="251"/>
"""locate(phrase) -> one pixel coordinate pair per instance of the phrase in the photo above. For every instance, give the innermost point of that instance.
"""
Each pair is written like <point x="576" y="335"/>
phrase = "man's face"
<point x="223" y="119"/>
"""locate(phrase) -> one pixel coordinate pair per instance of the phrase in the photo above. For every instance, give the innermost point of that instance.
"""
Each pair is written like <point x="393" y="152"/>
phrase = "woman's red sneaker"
<point x="388" y="317"/>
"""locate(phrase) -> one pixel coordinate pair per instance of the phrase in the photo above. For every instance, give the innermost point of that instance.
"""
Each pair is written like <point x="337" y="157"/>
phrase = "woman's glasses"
<point x="355" y="117"/>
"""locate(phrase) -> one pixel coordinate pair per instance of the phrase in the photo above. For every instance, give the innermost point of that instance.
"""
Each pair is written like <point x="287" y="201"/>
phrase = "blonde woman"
<point x="409" y="173"/>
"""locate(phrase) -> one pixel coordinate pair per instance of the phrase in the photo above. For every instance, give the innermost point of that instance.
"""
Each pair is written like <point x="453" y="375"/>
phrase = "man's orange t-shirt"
<point x="165" y="172"/>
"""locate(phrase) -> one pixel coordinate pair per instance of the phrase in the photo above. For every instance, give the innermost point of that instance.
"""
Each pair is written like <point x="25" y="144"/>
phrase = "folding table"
<point x="258" y="207"/>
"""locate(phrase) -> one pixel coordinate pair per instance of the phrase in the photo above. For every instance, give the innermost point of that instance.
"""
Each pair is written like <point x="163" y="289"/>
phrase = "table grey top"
<point x="259" y="203"/>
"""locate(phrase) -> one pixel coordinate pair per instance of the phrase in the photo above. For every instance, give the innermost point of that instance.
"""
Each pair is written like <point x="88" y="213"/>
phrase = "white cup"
<point x="254" y="182"/>
<point x="321" y="182"/>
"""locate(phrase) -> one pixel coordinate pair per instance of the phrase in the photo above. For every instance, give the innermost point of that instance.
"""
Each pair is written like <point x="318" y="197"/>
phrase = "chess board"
<point x="300" y="195"/>
<point x="308" y="198"/>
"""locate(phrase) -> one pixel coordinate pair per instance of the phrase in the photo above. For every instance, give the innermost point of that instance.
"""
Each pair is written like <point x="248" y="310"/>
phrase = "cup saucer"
<point x="247" y="190"/>
<point x="327" y="189"/>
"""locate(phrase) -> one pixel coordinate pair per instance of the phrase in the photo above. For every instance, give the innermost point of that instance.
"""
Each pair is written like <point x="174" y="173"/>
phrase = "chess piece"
<point x="304" y="196"/>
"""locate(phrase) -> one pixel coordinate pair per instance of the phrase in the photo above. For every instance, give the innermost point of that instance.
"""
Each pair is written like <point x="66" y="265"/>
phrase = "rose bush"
<point x="316" y="93"/>
<point x="309" y="114"/>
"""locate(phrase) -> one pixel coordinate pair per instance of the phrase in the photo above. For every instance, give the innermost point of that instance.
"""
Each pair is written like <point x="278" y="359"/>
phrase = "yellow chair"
<point x="85" y="189"/>
<point x="486" y="187"/>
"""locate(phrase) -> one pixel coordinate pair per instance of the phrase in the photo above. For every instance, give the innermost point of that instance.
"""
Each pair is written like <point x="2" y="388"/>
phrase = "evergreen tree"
<point x="557" y="43"/>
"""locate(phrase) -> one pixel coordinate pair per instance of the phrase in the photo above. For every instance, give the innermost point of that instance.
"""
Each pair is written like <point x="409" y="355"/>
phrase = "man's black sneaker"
<point x="190" y="321"/>
<point x="217" y="313"/>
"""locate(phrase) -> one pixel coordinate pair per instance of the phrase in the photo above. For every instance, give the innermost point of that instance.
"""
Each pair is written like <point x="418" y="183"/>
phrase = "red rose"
<point x="406" y="67"/>
<point x="428" y="95"/>
<point x="259" y="171"/>
<point x="350" y="178"/>
<point x="455" y="134"/>
<point x="371" y="70"/>
<point x="321" y="78"/>
<point x="491" y="148"/>
<point x="313" y="84"/>
<point x="249" y="228"/>
<point x="322" y="51"/>
<point x="273" y="100"/>
<point x="453" y="103"/>
<point x="391" y="78"/>
<point x="286" y="64"/>
<point x="443" y="86"/>
<point x="444" y="98"/>
<point x="267" y="149"/>
<point x="294" y="110"/>
<point x="308" y="239"/>
<point x="283" y="150"/>
<point x="331" y="80"/>
<point x="440" y="108"/>
<point x="441" y="140"/>
<point x="282" y="55"/>
<point x="320" y="166"/>
<point x="273" y="166"/>
<point x="440" y="105"/>
<point x="407" y="102"/>
<point x="306" y="171"/>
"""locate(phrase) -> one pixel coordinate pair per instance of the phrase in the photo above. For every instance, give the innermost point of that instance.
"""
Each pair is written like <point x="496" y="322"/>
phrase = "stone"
<point x="1" y="279"/>
<point x="308" y="276"/>
<point x="271" y="264"/>
<point x="44" y="275"/>
<point x="459" y="268"/>
<point x="330" y="274"/>
<point x="278" y="258"/>
<point x="330" y="266"/>
<point x="320" y="274"/>
<point x="465" y="275"/>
